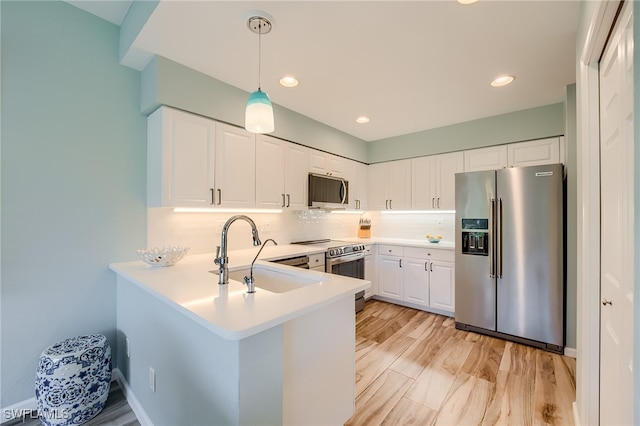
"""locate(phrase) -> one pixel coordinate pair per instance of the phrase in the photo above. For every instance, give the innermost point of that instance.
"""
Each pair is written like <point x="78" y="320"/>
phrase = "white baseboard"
<point x="572" y="352"/>
<point x="135" y="405"/>
<point x="19" y="409"/>
<point x="576" y="415"/>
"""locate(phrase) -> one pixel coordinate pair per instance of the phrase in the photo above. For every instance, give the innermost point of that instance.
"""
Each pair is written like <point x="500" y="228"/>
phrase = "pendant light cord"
<point x="259" y="54"/>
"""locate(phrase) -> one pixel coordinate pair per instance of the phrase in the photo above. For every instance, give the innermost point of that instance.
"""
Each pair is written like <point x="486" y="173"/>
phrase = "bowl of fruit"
<point x="435" y="239"/>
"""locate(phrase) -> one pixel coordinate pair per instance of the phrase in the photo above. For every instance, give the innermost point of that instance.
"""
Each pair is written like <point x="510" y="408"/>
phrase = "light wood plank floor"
<point x="416" y="368"/>
<point x="116" y="412"/>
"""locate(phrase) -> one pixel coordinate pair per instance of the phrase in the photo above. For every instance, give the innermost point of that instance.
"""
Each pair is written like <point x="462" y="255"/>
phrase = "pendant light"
<point x="258" y="117"/>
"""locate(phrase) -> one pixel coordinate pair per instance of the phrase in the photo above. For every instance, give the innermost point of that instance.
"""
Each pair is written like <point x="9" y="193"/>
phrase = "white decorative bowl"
<point x="165" y="256"/>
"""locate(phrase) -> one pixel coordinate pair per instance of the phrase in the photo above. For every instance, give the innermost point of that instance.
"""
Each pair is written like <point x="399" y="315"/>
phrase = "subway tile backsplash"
<point x="201" y="231"/>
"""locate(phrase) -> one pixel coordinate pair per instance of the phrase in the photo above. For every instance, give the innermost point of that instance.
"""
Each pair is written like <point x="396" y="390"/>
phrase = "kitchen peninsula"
<point x="191" y="350"/>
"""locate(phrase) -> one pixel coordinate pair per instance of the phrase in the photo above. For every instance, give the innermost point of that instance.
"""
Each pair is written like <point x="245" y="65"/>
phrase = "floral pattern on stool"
<point x="73" y="379"/>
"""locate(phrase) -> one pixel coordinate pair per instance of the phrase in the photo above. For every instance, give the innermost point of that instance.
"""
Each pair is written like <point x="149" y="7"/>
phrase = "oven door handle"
<point x="344" y="259"/>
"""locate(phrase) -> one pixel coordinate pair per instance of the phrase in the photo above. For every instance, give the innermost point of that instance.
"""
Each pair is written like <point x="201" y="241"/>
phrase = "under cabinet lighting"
<point x="214" y="210"/>
<point x="416" y="211"/>
<point x="348" y="211"/>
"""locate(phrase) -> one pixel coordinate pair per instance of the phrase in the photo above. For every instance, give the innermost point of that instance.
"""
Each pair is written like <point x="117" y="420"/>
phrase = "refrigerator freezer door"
<point x="530" y="281"/>
<point x="475" y="289"/>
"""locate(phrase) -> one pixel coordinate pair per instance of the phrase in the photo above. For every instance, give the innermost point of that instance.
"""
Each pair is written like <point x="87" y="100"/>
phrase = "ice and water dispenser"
<point x="475" y="236"/>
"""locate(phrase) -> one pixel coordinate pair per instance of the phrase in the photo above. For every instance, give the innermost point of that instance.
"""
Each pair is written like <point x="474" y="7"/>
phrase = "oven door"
<point x="350" y="265"/>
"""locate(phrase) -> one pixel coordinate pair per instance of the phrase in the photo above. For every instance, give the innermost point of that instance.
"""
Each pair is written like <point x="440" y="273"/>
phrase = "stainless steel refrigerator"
<point x="509" y="279"/>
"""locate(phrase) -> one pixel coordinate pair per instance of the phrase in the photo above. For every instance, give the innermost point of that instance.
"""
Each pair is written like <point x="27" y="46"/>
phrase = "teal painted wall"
<point x="535" y="123"/>
<point x="73" y="175"/>
<point x="169" y="83"/>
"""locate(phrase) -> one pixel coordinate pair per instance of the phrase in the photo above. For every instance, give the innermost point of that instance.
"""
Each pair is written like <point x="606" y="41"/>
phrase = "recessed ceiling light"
<point x="465" y="2"/>
<point x="362" y="119"/>
<point x="289" y="81"/>
<point x="502" y="80"/>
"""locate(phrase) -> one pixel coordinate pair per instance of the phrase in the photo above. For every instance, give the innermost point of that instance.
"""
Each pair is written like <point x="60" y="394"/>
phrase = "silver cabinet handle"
<point x="431" y="267"/>
<point x="438" y="202"/>
<point x="288" y="200"/>
<point x="606" y="302"/>
<point x="219" y="196"/>
<point x="213" y="201"/>
<point x="425" y="266"/>
<point x="386" y="204"/>
<point x="401" y="263"/>
<point x="433" y="203"/>
<point x="282" y="200"/>
<point x="492" y="266"/>
<point x="390" y="206"/>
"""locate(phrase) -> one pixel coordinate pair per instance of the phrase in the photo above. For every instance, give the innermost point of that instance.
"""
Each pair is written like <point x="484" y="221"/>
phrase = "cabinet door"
<point x="296" y="181"/>
<point x="369" y="274"/>
<point x="490" y="158"/>
<point x="235" y="167"/>
<point x="270" y="172"/>
<point x="390" y="281"/>
<point x="447" y="165"/>
<point x="441" y="285"/>
<point x="533" y="153"/>
<point x="362" y="200"/>
<point x="416" y="281"/>
<point x="317" y="162"/>
<point x="378" y="183"/>
<point x="335" y="165"/>
<point x="423" y="183"/>
<point x="400" y="185"/>
<point x="180" y="159"/>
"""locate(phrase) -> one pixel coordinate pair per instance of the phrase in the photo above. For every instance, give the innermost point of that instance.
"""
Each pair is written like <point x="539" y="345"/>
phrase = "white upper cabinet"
<point x="433" y="181"/>
<point x="281" y="174"/>
<point x="270" y="180"/>
<point x="490" y="158"/>
<point x="358" y="177"/>
<point x="235" y="171"/>
<point x="323" y="163"/>
<point x="296" y="176"/>
<point x="180" y="159"/>
<point x="534" y="153"/>
<point x="390" y="185"/>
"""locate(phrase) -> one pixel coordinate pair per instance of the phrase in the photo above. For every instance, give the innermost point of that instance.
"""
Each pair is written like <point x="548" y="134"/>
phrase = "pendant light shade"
<point x="258" y="116"/>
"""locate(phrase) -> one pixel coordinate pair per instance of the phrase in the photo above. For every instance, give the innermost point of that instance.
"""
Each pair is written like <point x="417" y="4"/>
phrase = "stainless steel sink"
<point x="271" y="280"/>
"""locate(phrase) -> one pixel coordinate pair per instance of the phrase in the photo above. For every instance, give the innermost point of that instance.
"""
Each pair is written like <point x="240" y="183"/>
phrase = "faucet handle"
<point x="248" y="281"/>
<point x="217" y="259"/>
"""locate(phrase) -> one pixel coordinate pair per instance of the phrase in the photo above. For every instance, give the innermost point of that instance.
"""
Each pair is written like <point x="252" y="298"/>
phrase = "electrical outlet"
<point x="127" y="347"/>
<point x="152" y="379"/>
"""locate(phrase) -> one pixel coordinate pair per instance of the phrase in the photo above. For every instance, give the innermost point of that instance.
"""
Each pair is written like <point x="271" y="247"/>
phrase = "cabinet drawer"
<point x="384" y="249"/>
<point x="429" y="254"/>
<point x="316" y="260"/>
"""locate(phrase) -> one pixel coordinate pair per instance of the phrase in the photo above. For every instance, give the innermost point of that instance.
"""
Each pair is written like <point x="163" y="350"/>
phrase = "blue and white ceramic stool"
<point x="73" y="379"/>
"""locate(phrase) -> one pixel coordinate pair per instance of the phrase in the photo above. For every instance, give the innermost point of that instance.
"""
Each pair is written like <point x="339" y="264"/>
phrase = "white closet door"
<point x="617" y="215"/>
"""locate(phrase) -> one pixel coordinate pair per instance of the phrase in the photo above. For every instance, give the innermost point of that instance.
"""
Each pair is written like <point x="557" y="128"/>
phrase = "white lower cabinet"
<point x="316" y="262"/>
<point x="420" y="277"/>
<point x="370" y="270"/>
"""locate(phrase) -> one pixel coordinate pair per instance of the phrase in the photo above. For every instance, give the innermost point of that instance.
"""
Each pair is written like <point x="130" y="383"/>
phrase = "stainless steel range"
<point x="343" y="258"/>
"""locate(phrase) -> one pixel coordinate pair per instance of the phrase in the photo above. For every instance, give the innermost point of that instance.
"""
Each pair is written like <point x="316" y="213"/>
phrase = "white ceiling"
<point x="409" y="65"/>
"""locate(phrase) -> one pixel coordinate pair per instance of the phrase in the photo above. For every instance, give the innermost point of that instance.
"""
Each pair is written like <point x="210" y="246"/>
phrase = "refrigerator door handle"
<point x="499" y="239"/>
<point x="492" y="233"/>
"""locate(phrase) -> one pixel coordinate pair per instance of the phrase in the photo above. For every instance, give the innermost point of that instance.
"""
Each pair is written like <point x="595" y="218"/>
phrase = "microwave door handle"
<point x="344" y="191"/>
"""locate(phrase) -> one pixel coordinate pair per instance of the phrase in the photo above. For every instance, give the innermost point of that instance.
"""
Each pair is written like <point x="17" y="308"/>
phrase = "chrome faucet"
<point x="248" y="281"/>
<point x="221" y="252"/>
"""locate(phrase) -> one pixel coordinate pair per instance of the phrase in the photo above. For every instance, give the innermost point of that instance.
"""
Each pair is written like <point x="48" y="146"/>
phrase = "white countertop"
<point x="443" y="245"/>
<point x="229" y="310"/>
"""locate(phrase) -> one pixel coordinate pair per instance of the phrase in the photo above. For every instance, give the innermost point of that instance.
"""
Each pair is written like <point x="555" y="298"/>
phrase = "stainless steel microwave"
<point x="328" y="192"/>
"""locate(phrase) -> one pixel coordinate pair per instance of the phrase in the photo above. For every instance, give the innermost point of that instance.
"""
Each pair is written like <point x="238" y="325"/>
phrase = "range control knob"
<point x="332" y="252"/>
